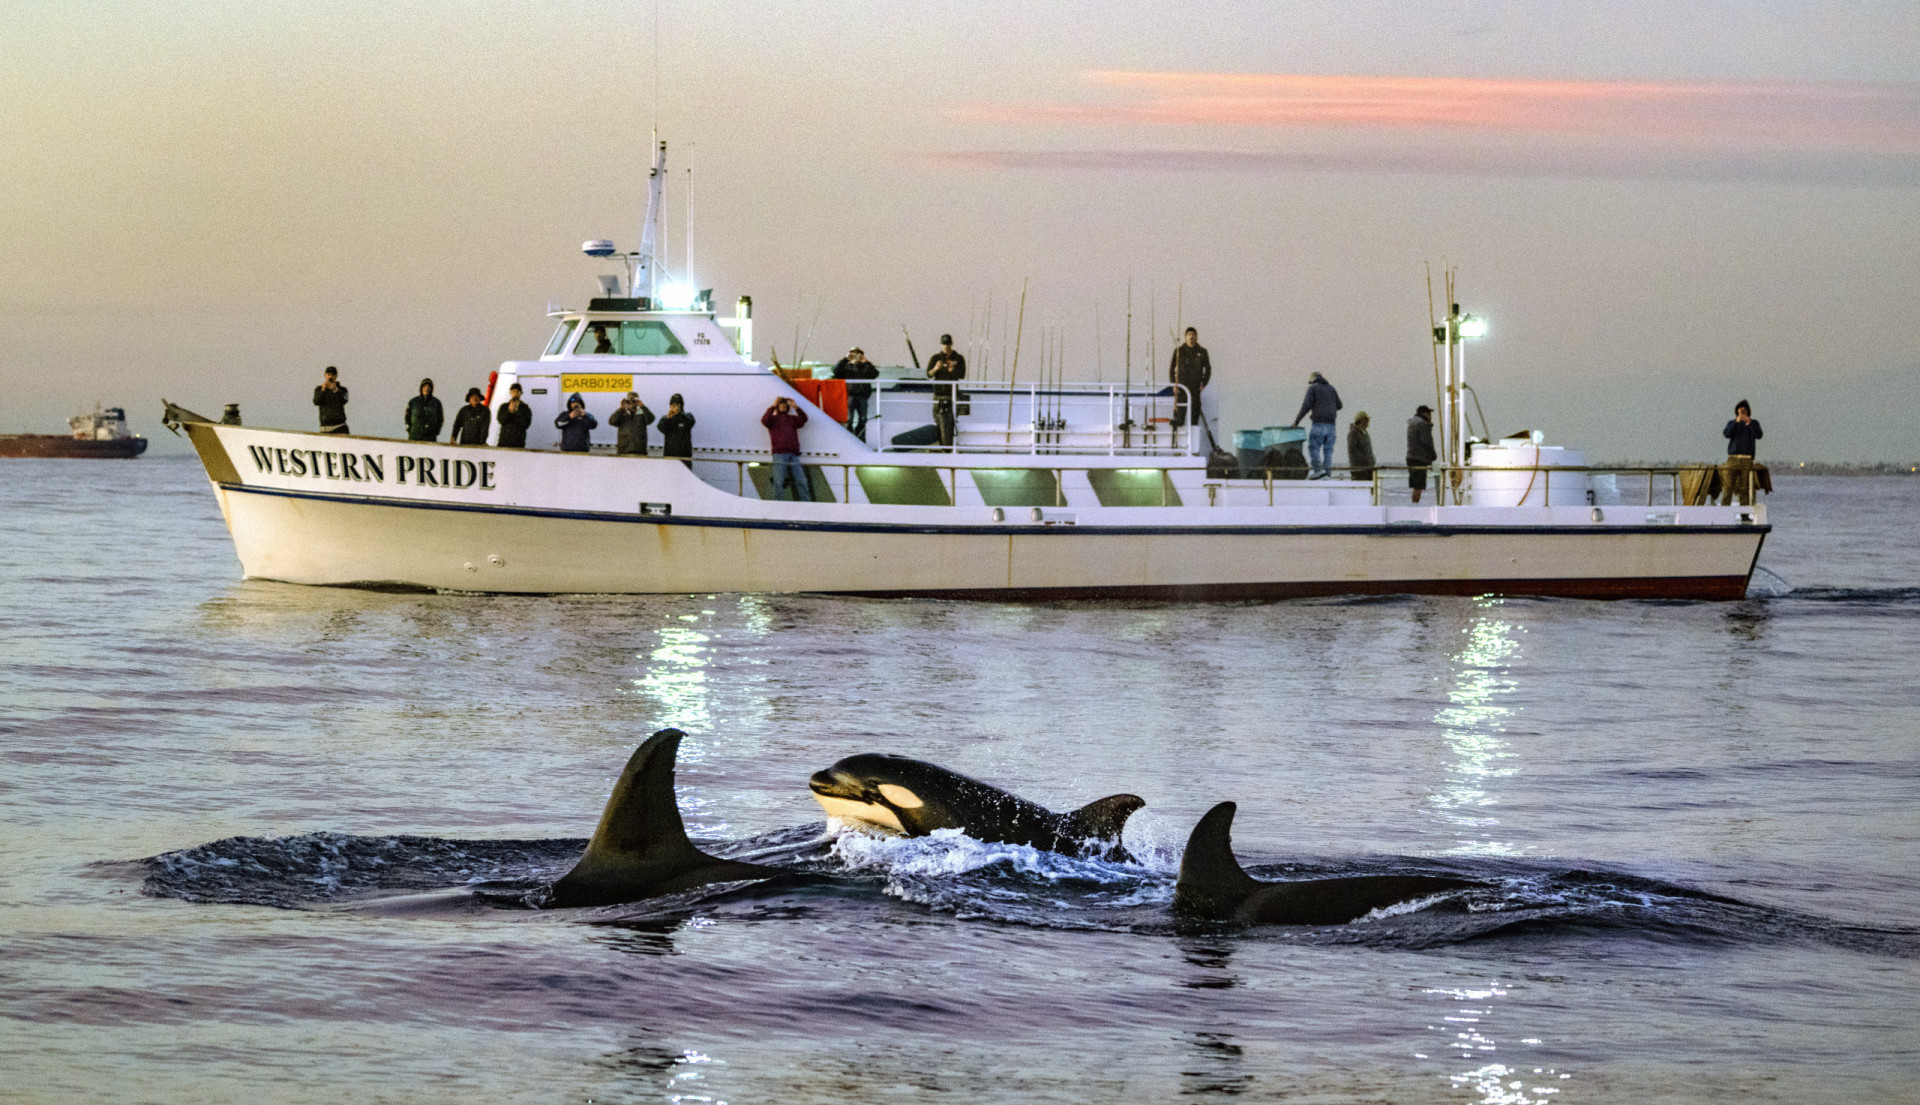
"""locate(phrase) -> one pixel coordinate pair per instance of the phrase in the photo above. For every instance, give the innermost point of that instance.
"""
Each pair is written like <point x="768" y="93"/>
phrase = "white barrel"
<point x="1529" y="487"/>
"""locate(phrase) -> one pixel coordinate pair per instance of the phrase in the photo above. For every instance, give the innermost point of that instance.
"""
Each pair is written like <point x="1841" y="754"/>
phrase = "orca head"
<point x="894" y="793"/>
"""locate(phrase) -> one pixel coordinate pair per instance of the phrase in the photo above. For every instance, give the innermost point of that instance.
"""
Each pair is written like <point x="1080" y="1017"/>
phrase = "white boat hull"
<point x="556" y="523"/>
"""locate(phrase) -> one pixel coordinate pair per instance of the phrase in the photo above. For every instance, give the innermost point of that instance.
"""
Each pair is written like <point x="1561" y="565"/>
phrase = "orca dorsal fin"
<point x="1212" y="885"/>
<point x="640" y="848"/>
<point x="1103" y="818"/>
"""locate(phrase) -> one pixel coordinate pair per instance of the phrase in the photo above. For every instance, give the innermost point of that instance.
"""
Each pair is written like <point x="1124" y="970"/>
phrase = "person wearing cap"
<point x="783" y="421"/>
<point x="1322" y="404"/>
<point x="576" y="426"/>
<point x="1420" y="451"/>
<point x="945" y="367"/>
<point x="331" y="397"/>
<point x="1737" y="477"/>
<point x="1360" y="462"/>
<point x="515" y="417"/>
<point x="470" y="422"/>
<point x="632" y="420"/>
<point x="856" y="368"/>
<point x="1191" y="369"/>
<point x="424" y="415"/>
<point x="676" y="431"/>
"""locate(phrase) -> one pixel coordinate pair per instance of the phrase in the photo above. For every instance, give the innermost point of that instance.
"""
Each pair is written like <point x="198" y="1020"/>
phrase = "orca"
<point x="1213" y="887"/>
<point x="640" y="848"/>
<point x="914" y="798"/>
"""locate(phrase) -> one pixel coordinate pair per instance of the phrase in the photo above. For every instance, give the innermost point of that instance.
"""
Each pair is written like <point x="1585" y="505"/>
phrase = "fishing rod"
<point x="1014" y="377"/>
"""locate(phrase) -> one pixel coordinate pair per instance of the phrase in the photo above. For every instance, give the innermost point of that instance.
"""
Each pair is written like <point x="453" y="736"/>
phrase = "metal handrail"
<point x="1041" y="439"/>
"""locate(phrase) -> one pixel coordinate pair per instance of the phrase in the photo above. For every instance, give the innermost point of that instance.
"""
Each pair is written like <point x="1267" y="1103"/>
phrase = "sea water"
<point x="1695" y="825"/>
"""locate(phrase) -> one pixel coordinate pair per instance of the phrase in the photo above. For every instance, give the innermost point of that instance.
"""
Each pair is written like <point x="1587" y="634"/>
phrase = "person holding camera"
<point x="783" y="421"/>
<point x="632" y="420"/>
<point x="855" y="367"/>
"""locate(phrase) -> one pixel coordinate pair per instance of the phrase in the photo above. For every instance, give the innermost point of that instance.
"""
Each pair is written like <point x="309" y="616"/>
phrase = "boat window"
<point x="885" y="484"/>
<point x="643" y="338"/>
<point x="1133" y="487"/>
<point x="559" y="341"/>
<point x="1017" y="486"/>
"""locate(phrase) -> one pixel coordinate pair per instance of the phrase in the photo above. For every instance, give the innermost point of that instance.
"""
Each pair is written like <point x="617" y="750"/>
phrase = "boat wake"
<point x="953" y="875"/>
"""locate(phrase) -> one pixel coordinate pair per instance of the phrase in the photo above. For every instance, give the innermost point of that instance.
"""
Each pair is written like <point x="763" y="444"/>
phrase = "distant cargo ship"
<point x="101" y="434"/>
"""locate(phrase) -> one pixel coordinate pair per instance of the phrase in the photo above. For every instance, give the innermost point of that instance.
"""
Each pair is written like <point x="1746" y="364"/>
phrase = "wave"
<point x="1852" y="596"/>
<point x="947" y="873"/>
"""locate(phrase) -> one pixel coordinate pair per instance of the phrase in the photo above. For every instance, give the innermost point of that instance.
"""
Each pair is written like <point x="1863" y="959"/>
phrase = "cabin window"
<point x="559" y="341"/>
<point x="644" y="338"/>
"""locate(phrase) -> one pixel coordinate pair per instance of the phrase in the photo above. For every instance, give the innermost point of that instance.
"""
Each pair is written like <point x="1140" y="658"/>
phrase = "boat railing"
<point x="1068" y="418"/>
<point x="1046" y="486"/>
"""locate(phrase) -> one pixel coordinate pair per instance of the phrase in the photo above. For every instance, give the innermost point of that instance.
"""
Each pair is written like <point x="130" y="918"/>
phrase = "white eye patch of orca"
<point x="900" y="796"/>
<point x="860" y="813"/>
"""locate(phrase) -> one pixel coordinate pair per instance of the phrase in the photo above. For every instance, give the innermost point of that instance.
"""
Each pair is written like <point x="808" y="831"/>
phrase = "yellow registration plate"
<point x="583" y="381"/>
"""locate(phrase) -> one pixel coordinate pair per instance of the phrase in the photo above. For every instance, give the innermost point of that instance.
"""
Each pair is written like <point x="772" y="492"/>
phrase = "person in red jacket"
<point x="783" y="421"/>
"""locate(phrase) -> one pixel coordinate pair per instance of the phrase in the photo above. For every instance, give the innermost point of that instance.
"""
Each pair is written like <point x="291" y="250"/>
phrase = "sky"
<point x="1659" y="208"/>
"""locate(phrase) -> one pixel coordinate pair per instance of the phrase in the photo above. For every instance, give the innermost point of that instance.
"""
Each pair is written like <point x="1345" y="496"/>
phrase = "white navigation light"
<point x="1473" y="326"/>
<point x="677" y="297"/>
<point x="597" y="247"/>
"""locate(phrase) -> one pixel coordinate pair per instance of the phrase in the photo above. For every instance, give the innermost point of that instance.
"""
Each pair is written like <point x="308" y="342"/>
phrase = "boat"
<point x="1043" y="490"/>
<point x="98" y="434"/>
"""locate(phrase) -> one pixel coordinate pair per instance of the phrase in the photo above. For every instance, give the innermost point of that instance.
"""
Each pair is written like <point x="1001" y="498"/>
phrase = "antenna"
<point x="691" y="282"/>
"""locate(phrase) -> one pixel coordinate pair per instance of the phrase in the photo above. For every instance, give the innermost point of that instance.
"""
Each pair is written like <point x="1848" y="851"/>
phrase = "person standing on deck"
<point x="855" y="367"/>
<point x="1360" y="462"/>
<point x="944" y="368"/>
<point x="470" y="421"/>
<point x="783" y="421"/>
<point x="676" y="431"/>
<point x="1323" y="404"/>
<point x="514" y="417"/>
<point x="576" y="426"/>
<point x="1192" y="369"/>
<point x="1420" y="451"/>
<point x="331" y="398"/>
<point x="632" y="420"/>
<point x="1737" y="477"/>
<point x="424" y="415"/>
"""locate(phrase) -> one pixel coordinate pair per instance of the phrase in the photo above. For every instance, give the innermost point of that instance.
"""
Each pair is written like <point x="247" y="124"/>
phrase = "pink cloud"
<point x="1497" y="125"/>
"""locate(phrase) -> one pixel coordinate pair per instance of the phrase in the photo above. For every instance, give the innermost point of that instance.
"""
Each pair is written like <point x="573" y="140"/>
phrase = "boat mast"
<point x="646" y="273"/>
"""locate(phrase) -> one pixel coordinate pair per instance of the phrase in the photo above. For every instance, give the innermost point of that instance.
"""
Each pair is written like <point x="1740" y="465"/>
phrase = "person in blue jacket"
<point x="576" y="426"/>
<point x="1322" y="404"/>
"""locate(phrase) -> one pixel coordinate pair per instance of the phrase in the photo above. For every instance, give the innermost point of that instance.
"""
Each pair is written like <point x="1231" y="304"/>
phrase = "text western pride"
<point x="366" y="467"/>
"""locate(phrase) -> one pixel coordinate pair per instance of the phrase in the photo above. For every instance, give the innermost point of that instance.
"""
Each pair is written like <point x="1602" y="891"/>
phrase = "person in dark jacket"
<point x="515" y="417"/>
<point x="424" y="415"/>
<point x="783" y="421"/>
<point x="676" y="431"/>
<point x="1420" y="451"/>
<point x="1737" y="477"/>
<point x="1322" y="407"/>
<point x="1191" y="368"/>
<point x="856" y="368"/>
<point x="945" y="367"/>
<point x="1359" y="449"/>
<point x="331" y="398"/>
<point x="632" y="420"/>
<point x="471" y="420"/>
<point x="576" y="426"/>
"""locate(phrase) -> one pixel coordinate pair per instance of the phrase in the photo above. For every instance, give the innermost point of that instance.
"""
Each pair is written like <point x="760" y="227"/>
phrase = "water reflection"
<point x="1466" y="1029"/>
<point x="676" y="677"/>
<point x="1471" y="724"/>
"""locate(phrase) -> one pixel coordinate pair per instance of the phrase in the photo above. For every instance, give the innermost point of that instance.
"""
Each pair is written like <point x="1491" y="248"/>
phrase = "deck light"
<point x="1473" y="326"/>
<point x="677" y="297"/>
